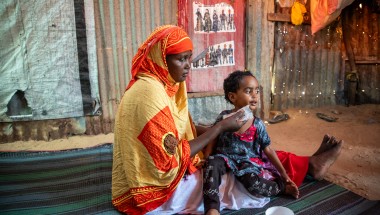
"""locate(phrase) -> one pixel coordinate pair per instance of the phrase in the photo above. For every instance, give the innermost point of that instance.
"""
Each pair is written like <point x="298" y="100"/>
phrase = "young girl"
<point x="247" y="152"/>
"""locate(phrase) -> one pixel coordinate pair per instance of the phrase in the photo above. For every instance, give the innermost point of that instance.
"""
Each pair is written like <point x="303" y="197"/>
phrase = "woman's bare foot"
<point x="319" y="164"/>
<point x="212" y="212"/>
<point x="327" y="143"/>
<point x="292" y="189"/>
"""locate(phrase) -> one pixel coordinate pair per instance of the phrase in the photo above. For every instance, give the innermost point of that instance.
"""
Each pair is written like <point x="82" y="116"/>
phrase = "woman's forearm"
<point x="207" y="137"/>
<point x="201" y="129"/>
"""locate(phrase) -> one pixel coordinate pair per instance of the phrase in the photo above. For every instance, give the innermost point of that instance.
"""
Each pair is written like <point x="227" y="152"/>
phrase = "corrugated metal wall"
<point x="306" y="68"/>
<point x="301" y="70"/>
<point x="309" y="70"/>
<point x="364" y="27"/>
<point x="121" y="26"/>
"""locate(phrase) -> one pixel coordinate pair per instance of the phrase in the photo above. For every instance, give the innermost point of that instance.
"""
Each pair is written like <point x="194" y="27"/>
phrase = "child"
<point x="247" y="152"/>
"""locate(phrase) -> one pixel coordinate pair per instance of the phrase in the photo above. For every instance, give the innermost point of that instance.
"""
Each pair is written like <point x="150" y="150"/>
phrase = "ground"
<point x="357" y="168"/>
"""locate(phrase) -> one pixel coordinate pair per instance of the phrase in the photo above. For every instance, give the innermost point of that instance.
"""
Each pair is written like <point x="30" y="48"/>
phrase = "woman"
<point x="156" y="143"/>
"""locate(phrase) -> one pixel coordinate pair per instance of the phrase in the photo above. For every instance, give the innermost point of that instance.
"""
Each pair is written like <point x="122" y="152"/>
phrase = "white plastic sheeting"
<point x="39" y="57"/>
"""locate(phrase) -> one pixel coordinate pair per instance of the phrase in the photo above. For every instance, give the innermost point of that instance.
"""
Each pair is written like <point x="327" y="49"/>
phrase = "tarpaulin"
<point x="40" y="71"/>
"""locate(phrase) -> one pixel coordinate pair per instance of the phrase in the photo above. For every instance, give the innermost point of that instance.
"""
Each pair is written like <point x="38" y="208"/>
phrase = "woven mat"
<point x="320" y="198"/>
<point x="79" y="182"/>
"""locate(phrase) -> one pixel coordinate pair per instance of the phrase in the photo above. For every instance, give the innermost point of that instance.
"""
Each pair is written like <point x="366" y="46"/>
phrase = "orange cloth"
<point x="323" y="12"/>
<point x="145" y="173"/>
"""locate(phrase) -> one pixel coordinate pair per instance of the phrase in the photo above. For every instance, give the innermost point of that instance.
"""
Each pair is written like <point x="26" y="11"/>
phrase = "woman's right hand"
<point x="233" y="123"/>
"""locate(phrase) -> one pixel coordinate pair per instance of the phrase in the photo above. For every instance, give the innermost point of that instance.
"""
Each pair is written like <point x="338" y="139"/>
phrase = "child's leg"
<point x="215" y="167"/>
<point x="261" y="186"/>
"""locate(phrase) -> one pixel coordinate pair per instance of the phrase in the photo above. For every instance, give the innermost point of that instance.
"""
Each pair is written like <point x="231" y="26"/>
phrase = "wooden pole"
<point x="352" y="76"/>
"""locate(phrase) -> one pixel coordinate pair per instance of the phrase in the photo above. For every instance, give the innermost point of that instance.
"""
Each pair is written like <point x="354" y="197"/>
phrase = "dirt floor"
<point x="358" y="166"/>
<point x="356" y="169"/>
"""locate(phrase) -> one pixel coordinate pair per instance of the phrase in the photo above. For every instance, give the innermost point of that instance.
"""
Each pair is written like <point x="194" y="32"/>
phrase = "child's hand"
<point x="289" y="181"/>
<point x="291" y="188"/>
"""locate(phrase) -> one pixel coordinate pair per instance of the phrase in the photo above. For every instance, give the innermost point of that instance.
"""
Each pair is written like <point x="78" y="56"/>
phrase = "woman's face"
<point x="179" y="65"/>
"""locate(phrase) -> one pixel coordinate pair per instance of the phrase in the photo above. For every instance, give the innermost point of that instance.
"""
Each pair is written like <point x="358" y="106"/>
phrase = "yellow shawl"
<point x="145" y="173"/>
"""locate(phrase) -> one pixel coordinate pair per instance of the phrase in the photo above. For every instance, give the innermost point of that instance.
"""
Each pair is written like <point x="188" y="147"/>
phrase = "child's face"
<point x="247" y="94"/>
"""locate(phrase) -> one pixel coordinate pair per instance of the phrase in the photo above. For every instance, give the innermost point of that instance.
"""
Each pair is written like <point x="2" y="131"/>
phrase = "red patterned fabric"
<point x="144" y="199"/>
<point x="151" y="137"/>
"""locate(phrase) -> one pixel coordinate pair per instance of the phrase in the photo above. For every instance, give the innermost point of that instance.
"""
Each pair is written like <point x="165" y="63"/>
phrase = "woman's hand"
<point x="233" y="123"/>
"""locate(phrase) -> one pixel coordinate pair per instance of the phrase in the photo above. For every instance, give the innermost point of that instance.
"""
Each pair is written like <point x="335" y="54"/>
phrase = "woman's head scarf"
<point x="150" y="59"/>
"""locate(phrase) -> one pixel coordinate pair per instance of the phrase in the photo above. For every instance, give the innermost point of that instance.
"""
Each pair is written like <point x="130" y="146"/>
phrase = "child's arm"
<point x="272" y="155"/>
<point x="290" y="187"/>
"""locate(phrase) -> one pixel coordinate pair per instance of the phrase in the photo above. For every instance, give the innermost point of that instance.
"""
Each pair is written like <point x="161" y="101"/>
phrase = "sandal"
<point x="279" y="118"/>
<point x="326" y="117"/>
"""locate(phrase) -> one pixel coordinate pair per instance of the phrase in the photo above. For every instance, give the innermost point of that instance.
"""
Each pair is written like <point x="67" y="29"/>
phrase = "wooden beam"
<point x="205" y="94"/>
<point x="278" y="17"/>
<point x="285" y="17"/>
<point x="366" y="61"/>
<point x="282" y="17"/>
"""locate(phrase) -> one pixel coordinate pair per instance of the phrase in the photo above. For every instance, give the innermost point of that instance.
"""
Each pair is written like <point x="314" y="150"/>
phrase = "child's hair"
<point x="232" y="82"/>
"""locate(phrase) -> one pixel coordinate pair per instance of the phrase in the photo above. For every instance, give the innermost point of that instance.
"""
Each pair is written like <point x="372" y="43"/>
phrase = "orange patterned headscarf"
<point x="151" y="56"/>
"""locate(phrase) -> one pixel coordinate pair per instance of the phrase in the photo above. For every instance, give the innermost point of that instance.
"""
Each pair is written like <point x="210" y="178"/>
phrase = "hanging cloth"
<point x="298" y="9"/>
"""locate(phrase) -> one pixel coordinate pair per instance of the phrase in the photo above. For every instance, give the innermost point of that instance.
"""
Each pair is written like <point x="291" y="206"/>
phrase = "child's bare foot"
<point x="327" y="143"/>
<point x="292" y="189"/>
<point x="319" y="164"/>
<point x="212" y="212"/>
